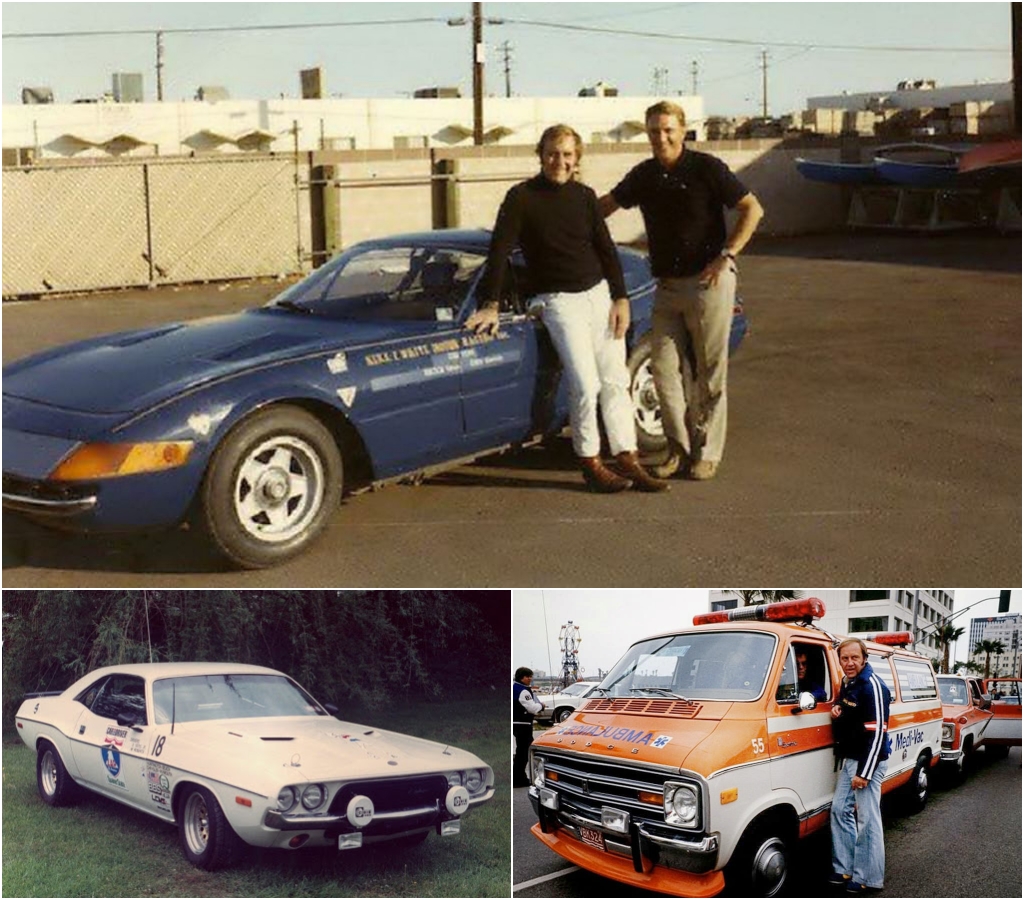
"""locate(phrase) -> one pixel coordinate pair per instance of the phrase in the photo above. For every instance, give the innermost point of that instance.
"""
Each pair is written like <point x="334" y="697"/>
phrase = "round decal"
<point x="111" y="759"/>
<point x="457" y="800"/>
<point x="359" y="811"/>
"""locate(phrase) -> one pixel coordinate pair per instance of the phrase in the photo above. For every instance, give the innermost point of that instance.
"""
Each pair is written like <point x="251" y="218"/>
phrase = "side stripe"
<point x="877" y="742"/>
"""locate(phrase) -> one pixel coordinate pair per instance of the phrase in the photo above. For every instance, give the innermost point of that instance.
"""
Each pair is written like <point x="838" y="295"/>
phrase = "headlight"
<point x="474" y="780"/>
<point x="286" y="799"/>
<point x="454" y="779"/>
<point x="113" y="460"/>
<point x="681" y="805"/>
<point x="314" y="795"/>
<point x="947" y="731"/>
<point x="538" y="771"/>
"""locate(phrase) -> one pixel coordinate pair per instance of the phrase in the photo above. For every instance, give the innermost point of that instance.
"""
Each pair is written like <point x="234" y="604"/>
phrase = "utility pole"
<point x="506" y="52"/>
<point x="764" y="84"/>
<point x="159" y="66"/>
<point x="478" y="75"/>
<point x="660" y="80"/>
<point x="693" y="71"/>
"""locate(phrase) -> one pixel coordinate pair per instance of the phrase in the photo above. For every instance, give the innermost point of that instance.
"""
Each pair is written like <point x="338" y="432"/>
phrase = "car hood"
<point x="641" y="731"/>
<point x="294" y="750"/>
<point x="130" y="371"/>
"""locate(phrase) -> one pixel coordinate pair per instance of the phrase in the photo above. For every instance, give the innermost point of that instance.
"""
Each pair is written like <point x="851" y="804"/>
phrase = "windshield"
<point x="199" y="698"/>
<point x="953" y="691"/>
<point x="729" y="665"/>
<point x="397" y="283"/>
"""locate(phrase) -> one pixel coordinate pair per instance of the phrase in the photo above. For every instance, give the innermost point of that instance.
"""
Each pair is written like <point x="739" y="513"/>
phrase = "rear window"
<point x="917" y="680"/>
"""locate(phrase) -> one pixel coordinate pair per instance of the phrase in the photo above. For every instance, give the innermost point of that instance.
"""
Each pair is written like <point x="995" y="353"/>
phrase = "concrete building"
<point x="860" y="613"/>
<point x="1006" y="629"/>
<point x="189" y="128"/>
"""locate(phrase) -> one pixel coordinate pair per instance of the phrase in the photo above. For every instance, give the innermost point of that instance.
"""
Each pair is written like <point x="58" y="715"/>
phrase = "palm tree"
<point x="947" y="635"/>
<point x="761" y="595"/>
<point x="988" y="648"/>
<point x="969" y="666"/>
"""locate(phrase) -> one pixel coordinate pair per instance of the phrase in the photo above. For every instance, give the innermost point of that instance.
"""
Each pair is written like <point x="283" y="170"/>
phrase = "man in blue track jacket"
<point x="860" y="720"/>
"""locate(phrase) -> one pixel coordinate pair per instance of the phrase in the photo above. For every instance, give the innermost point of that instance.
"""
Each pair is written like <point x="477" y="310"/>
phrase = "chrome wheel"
<point x="279" y="488"/>
<point x="646" y="407"/>
<point x="196" y="821"/>
<point x="921" y="784"/>
<point x="48" y="773"/>
<point x="768" y="867"/>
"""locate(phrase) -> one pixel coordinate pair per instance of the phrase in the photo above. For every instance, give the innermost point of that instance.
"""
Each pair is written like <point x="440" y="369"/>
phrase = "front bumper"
<point x="47" y="499"/>
<point x="645" y="856"/>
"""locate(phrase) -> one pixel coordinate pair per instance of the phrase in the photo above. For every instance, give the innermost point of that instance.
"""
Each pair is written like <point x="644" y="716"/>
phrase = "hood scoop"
<point x="641" y="706"/>
<point x="277" y="739"/>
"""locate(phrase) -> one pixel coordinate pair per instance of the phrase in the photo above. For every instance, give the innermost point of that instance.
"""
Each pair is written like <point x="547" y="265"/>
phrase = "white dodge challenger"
<point x="237" y="754"/>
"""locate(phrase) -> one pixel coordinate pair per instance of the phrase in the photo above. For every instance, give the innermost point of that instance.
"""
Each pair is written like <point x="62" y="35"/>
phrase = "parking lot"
<point x="875" y="437"/>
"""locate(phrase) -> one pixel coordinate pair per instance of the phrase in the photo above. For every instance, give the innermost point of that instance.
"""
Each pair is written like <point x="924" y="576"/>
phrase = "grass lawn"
<point x="100" y="848"/>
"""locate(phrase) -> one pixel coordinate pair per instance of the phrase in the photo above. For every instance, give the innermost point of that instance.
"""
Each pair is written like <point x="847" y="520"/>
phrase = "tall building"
<point x="1005" y="629"/>
<point x="862" y="613"/>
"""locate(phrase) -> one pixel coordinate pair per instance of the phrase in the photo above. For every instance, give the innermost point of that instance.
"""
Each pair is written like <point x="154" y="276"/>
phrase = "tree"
<point x="970" y="666"/>
<point x="764" y="595"/>
<point x="988" y="648"/>
<point x="947" y="634"/>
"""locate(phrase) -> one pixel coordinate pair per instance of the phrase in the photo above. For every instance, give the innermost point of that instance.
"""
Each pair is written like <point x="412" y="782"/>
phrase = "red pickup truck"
<point x="966" y="718"/>
<point x="1004" y="730"/>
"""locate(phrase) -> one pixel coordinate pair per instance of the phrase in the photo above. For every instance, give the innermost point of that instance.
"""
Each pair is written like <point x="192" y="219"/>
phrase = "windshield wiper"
<point x="665" y="692"/>
<point x="293" y="306"/>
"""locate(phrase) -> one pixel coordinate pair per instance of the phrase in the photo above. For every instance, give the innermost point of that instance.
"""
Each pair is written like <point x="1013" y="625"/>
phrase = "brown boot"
<point x="600" y="478"/>
<point x="627" y="463"/>
<point x="677" y="459"/>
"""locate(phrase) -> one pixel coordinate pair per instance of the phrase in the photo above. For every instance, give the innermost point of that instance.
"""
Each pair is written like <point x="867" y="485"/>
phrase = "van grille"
<point x="640" y="706"/>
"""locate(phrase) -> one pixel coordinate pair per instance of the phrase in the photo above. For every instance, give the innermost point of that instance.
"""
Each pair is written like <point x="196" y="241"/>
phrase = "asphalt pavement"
<point x="875" y="438"/>
<point x="965" y="843"/>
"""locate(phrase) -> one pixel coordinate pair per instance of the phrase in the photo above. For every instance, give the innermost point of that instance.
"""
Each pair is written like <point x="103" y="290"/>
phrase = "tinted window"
<point x="118" y="695"/>
<point x="917" y="681"/>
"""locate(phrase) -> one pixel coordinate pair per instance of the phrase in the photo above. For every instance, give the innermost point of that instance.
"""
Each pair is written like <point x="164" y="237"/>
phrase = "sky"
<point x="612" y="619"/>
<point x="555" y="48"/>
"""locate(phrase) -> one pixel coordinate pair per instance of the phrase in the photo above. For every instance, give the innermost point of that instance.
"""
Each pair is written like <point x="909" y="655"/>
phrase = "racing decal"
<point x="347" y="395"/>
<point x="441" y="348"/>
<point x="337" y="364"/>
<point x="136" y="744"/>
<point x="116" y="736"/>
<point x="112" y="763"/>
<point x="158" y="781"/>
<point x="158" y="747"/>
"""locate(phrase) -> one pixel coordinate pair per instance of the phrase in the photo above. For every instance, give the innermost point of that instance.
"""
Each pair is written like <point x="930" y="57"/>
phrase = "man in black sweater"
<point x="682" y="195"/>
<point x="574" y="273"/>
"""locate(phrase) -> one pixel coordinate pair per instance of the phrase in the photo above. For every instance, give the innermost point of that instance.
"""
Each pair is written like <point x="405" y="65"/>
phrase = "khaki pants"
<point x="690" y="359"/>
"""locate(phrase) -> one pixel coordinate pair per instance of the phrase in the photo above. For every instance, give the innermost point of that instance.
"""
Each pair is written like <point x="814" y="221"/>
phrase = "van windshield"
<point x="728" y="665"/>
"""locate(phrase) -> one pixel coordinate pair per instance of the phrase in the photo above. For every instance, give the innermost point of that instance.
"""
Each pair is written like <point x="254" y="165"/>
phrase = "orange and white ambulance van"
<point x="702" y="758"/>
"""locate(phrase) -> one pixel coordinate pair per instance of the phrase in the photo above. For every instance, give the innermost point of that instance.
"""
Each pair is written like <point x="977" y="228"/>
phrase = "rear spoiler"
<point x="36" y="694"/>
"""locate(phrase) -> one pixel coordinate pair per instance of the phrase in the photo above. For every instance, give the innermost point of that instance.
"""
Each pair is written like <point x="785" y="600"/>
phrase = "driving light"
<point x="114" y="460"/>
<point x="313" y="796"/>
<point x="615" y="819"/>
<point x="681" y="805"/>
<point x="286" y="799"/>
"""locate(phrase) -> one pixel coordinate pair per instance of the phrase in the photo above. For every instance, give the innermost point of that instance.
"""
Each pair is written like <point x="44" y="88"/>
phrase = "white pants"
<point x="595" y="366"/>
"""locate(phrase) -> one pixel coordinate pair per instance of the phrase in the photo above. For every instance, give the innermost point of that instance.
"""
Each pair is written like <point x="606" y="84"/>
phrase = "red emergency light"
<point x="786" y="611"/>
<point x="893" y="638"/>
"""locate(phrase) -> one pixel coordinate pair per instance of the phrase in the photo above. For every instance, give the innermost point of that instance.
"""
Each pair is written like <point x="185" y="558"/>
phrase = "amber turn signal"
<point x="113" y="460"/>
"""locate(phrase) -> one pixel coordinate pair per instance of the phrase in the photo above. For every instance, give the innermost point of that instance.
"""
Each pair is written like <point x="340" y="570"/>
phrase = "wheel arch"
<point x="779" y="810"/>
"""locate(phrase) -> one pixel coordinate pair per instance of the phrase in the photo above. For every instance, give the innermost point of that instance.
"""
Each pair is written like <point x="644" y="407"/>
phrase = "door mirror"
<point x="807" y="700"/>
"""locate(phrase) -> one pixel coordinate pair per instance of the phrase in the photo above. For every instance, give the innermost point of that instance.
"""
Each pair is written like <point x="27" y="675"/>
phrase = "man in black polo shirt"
<point x="682" y="195"/>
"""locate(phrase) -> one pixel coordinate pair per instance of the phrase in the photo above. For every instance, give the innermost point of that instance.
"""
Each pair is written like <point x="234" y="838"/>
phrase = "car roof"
<point x="471" y="239"/>
<point x="153" y="671"/>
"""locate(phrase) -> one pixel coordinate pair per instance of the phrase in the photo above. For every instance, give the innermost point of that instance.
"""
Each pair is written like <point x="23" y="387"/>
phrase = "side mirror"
<point x="128" y="720"/>
<point x="332" y="709"/>
<point x="807" y="701"/>
<point x="986" y="701"/>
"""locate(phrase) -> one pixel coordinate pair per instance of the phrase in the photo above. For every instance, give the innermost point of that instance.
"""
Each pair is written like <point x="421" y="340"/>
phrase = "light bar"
<point x="786" y="611"/>
<point x="893" y="638"/>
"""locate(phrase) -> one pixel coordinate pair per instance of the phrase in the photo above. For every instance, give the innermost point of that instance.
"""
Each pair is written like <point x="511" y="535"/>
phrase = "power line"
<point x="750" y="43"/>
<point x="212" y="29"/>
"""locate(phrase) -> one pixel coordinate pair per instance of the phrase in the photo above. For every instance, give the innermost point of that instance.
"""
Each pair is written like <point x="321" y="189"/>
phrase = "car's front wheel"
<point x="271" y="487"/>
<point x="207" y="839"/>
<point x="562" y="714"/>
<point x="650" y="433"/>
<point x="56" y="786"/>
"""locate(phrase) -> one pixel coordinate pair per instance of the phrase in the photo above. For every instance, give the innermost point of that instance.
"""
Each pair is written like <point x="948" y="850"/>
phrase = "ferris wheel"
<point x="569" y="640"/>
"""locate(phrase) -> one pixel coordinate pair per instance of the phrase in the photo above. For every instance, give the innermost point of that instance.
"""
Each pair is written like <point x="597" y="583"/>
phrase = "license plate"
<point x="592" y="836"/>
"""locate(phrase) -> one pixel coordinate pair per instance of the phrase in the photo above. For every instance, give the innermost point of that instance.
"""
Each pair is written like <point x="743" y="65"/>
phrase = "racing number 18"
<point x="158" y="747"/>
